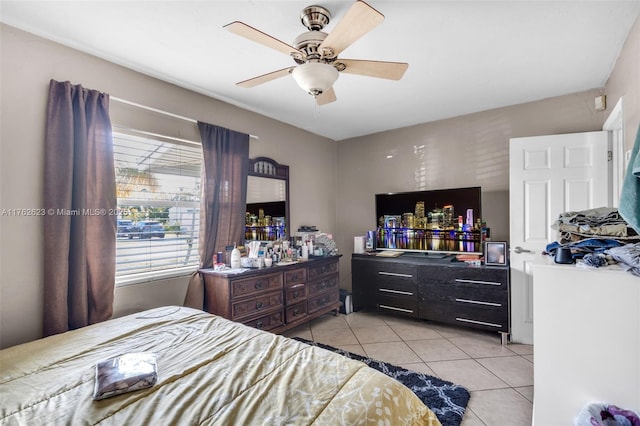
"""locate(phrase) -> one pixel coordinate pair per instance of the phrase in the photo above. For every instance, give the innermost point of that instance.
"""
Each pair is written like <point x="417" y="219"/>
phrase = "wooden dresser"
<point x="276" y="298"/>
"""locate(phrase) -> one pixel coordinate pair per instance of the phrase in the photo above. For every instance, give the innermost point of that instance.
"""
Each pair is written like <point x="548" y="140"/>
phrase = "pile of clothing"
<point x="628" y="256"/>
<point x="603" y="222"/>
<point x="599" y="237"/>
<point x="603" y="414"/>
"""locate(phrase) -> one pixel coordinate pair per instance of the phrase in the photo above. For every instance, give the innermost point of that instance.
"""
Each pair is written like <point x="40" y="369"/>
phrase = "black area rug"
<point x="447" y="400"/>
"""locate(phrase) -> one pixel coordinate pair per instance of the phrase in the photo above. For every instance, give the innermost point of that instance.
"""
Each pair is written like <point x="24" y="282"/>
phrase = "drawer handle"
<point x="395" y="274"/>
<point x="259" y="285"/>
<point x="393" y="308"/>
<point x="388" y="290"/>
<point x="259" y="325"/>
<point x="490" y="324"/>
<point x="478" y="302"/>
<point x="259" y="304"/>
<point x="296" y="312"/>
<point x="460" y="280"/>
<point x="296" y="294"/>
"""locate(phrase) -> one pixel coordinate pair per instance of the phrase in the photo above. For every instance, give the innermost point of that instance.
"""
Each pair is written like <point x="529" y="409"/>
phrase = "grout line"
<point x="469" y="357"/>
<point x="527" y="359"/>
<point x="480" y="419"/>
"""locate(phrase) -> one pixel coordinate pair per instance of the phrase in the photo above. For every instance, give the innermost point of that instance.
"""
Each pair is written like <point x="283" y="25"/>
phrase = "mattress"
<point x="211" y="371"/>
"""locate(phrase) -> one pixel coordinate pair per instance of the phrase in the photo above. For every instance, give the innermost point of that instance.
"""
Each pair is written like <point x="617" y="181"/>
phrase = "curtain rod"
<point x="159" y="111"/>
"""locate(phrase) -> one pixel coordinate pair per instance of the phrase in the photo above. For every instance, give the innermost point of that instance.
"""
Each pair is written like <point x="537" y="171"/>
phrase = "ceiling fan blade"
<point x="258" y="36"/>
<point x="326" y="97"/>
<point x="358" y="21"/>
<point x="265" y="78"/>
<point x="380" y="69"/>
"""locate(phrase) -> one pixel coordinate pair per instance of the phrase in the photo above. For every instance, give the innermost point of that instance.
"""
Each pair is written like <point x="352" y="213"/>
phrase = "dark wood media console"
<point x="437" y="289"/>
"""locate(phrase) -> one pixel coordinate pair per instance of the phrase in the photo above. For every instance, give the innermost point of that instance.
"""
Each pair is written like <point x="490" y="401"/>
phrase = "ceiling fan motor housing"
<point x="308" y="42"/>
<point x="315" y="17"/>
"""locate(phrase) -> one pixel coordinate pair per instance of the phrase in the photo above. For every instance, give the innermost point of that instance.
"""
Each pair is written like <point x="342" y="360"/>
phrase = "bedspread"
<point x="210" y="371"/>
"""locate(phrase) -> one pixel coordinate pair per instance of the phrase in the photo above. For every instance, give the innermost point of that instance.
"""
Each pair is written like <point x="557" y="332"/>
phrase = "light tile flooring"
<point x="499" y="378"/>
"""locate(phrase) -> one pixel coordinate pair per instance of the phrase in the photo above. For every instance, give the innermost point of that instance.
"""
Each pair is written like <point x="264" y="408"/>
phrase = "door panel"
<point x="548" y="175"/>
<point x="536" y="204"/>
<point x="578" y="194"/>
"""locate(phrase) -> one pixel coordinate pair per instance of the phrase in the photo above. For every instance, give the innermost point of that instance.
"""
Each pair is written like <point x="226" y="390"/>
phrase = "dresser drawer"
<point x="395" y="271"/>
<point x="256" y="305"/>
<point x="397" y="305"/>
<point x="482" y="317"/>
<point x="398" y="288"/>
<point x="324" y="284"/>
<point x="319" y="302"/>
<point x="296" y="312"/>
<point x="255" y="285"/>
<point x="295" y="276"/>
<point x="267" y="322"/>
<point x="296" y="293"/>
<point x="476" y="277"/>
<point x="480" y="295"/>
<point x="318" y="271"/>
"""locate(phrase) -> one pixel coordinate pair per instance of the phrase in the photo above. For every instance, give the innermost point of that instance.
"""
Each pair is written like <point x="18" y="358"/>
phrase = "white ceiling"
<point x="464" y="56"/>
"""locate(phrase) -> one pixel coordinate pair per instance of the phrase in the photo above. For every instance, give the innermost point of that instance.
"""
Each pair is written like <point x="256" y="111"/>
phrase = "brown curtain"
<point x="80" y="200"/>
<point x="223" y="201"/>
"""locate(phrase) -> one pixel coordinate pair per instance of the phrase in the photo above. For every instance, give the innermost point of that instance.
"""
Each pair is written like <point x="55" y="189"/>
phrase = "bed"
<point x="210" y="371"/>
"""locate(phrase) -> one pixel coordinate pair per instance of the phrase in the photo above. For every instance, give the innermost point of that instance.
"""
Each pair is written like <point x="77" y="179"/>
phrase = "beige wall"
<point x="624" y="83"/>
<point x="462" y="151"/>
<point x="471" y="150"/>
<point x="28" y="63"/>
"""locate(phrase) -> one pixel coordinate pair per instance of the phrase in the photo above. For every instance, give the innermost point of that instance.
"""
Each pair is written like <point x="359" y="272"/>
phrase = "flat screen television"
<point x="439" y="221"/>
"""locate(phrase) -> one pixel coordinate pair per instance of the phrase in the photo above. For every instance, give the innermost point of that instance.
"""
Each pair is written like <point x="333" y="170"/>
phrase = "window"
<point x="158" y="189"/>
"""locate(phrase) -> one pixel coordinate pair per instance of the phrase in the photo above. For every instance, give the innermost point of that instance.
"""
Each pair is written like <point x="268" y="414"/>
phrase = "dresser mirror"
<point x="267" y="213"/>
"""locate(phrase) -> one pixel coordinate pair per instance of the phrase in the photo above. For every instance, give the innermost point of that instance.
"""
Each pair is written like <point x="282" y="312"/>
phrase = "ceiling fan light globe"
<point x="315" y="77"/>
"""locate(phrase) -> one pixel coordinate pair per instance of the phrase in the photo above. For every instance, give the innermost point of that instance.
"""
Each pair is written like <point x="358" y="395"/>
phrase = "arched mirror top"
<point x="268" y="167"/>
<point x="267" y="215"/>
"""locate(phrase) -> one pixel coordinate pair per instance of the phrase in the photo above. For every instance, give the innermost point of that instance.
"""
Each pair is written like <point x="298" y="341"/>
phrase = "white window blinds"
<point x="158" y="189"/>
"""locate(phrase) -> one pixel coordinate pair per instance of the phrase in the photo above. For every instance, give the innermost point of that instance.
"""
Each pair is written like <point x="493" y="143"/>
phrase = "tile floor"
<point x="499" y="378"/>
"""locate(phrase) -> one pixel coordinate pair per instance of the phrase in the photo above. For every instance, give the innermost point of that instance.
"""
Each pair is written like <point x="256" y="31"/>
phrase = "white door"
<point x="548" y="175"/>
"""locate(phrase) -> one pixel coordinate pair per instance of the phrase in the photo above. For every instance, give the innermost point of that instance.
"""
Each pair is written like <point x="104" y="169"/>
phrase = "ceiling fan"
<point x="316" y="52"/>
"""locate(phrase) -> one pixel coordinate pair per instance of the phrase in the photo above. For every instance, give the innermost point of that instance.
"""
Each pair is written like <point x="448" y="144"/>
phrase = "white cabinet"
<point x="586" y="340"/>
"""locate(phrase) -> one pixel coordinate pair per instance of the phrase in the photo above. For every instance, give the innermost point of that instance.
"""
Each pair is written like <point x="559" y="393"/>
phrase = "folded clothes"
<point x="592" y="217"/>
<point x="601" y="221"/>
<point x="628" y="256"/>
<point x="611" y="230"/>
<point x="582" y="247"/>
